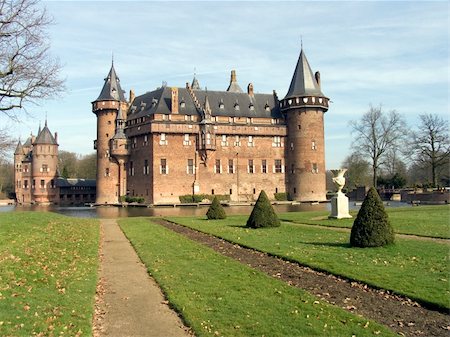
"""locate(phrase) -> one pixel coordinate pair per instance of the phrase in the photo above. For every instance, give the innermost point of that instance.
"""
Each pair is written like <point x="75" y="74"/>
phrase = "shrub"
<point x="280" y="196"/>
<point x="263" y="214"/>
<point x="371" y="227"/>
<point x="216" y="211"/>
<point x="129" y="199"/>
<point x="196" y="198"/>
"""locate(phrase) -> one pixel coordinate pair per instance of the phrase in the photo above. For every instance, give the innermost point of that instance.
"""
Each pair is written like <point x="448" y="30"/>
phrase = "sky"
<point x="393" y="53"/>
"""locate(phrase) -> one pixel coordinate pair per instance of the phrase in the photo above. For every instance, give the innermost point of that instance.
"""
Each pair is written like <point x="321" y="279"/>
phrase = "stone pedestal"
<point x="339" y="207"/>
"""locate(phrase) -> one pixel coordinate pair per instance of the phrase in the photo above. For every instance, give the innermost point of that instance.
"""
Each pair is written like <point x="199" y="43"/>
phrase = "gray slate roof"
<point x="303" y="82"/>
<point x="71" y="182"/>
<point x="159" y="101"/>
<point x="19" y="148"/>
<point x="111" y="89"/>
<point x="45" y="137"/>
<point x="27" y="142"/>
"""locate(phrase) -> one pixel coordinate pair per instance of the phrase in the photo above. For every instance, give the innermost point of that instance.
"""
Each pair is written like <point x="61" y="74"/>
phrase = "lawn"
<point x="218" y="296"/>
<point x="48" y="274"/>
<point x="415" y="268"/>
<point x="433" y="221"/>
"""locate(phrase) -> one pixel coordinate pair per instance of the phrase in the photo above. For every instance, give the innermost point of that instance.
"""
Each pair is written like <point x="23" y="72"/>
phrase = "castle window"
<point x="146" y="168"/>
<point x="236" y="106"/>
<point x="186" y="140"/>
<point x="107" y="172"/>
<point x="230" y="166"/>
<point x="25" y="183"/>
<point x="131" y="169"/>
<point x="145" y="140"/>
<point x="182" y="103"/>
<point x="42" y="183"/>
<point x="254" y="191"/>
<point x="163" y="139"/>
<point x="295" y="190"/>
<point x="251" y="107"/>
<point x="276" y="141"/>
<point x="299" y="127"/>
<point x="313" y="145"/>
<point x="164" y="168"/>
<point x="278" y="167"/>
<point x="224" y="140"/>
<point x="251" y="167"/>
<point x="237" y="141"/>
<point x="250" y="141"/>
<point x="292" y="146"/>
<point x="217" y="167"/>
<point x="44" y="168"/>
<point x="109" y="122"/>
<point x="267" y="107"/>
<point x="25" y="168"/>
<point x="33" y="185"/>
<point x="230" y="119"/>
<point x="315" y="169"/>
<point x="264" y="166"/>
<point x="221" y="105"/>
<point x="292" y="168"/>
<point x="190" y="166"/>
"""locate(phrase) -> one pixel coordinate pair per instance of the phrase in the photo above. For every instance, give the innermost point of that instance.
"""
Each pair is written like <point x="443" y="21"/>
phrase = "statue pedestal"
<point x="339" y="207"/>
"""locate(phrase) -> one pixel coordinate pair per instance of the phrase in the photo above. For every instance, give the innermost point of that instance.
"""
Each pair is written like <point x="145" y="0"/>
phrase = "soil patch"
<point x="401" y="314"/>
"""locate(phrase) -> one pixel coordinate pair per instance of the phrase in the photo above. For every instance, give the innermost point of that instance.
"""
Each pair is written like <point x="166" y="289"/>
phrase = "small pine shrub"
<point x="216" y="211"/>
<point x="371" y="227"/>
<point x="263" y="214"/>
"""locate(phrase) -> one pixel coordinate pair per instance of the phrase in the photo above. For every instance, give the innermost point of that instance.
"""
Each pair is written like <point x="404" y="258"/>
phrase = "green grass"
<point x="48" y="274"/>
<point x="415" y="268"/>
<point x="432" y="221"/>
<point x="218" y="296"/>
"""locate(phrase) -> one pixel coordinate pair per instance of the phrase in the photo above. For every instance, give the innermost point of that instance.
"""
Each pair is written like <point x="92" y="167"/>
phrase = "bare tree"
<point x="376" y="133"/>
<point x="431" y="148"/>
<point x="358" y="173"/>
<point x="28" y="72"/>
<point x="6" y="143"/>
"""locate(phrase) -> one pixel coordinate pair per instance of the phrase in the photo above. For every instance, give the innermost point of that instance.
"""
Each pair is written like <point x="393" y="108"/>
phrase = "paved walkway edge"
<point x="129" y="302"/>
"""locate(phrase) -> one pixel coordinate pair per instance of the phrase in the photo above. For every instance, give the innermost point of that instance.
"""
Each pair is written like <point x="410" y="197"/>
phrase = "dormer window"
<point x="251" y="106"/>
<point x="143" y="105"/>
<point x="267" y="107"/>
<point x="221" y="105"/>
<point x="133" y="108"/>
<point x="154" y="102"/>
<point x="236" y="105"/>
<point x="182" y="103"/>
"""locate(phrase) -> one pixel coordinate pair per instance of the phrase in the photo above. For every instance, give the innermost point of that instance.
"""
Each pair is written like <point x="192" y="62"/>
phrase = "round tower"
<point x="106" y="108"/>
<point x="44" y="167"/>
<point x="304" y="107"/>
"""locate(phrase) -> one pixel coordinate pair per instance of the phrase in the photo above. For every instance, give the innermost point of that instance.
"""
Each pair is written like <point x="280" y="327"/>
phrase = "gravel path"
<point x="128" y="301"/>
<point x="402" y="315"/>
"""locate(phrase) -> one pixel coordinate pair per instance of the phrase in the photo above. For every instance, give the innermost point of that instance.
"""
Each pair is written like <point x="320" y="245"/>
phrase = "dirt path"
<point x="400" y="314"/>
<point x="129" y="302"/>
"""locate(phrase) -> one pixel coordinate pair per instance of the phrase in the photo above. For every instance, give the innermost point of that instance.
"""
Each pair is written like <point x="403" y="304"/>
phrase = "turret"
<point x="19" y="155"/>
<point x="304" y="106"/>
<point x="44" y="166"/>
<point x="106" y="107"/>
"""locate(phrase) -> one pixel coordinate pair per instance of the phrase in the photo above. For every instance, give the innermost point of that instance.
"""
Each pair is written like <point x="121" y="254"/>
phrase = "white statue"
<point x="339" y="203"/>
<point x="339" y="179"/>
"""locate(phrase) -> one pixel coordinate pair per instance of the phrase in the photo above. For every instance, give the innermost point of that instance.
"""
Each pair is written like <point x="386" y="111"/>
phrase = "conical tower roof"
<point x="120" y="121"/>
<point x="19" y="148"/>
<point x="303" y="82"/>
<point x="45" y="137"/>
<point x="111" y="89"/>
<point x="195" y="85"/>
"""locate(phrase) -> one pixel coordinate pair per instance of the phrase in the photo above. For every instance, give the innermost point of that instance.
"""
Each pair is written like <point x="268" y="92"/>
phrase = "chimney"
<point x="56" y="137"/>
<point x="233" y="76"/>
<point x="132" y="96"/>
<point x="174" y="106"/>
<point x="317" y="76"/>
<point x="250" y="89"/>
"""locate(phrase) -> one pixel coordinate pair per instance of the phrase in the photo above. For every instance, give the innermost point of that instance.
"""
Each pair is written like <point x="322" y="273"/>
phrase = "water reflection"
<point x="122" y="212"/>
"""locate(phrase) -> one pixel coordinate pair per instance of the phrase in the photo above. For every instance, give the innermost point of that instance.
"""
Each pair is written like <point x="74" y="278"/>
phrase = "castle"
<point x="36" y="175"/>
<point x="173" y="142"/>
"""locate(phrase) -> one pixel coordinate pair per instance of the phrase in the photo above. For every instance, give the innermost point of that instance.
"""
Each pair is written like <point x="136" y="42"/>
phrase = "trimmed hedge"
<point x="281" y="196"/>
<point x="216" y="211"/>
<point x="126" y="198"/>
<point x="196" y="198"/>
<point x="263" y="214"/>
<point x="371" y="227"/>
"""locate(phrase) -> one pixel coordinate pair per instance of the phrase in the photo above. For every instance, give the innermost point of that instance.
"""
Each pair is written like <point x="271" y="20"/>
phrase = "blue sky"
<point x="389" y="53"/>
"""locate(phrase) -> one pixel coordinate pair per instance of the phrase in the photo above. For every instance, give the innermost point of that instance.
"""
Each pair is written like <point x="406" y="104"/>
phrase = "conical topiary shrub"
<point x="372" y="227"/>
<point x="263" y="214"/>
<point x="216" y="211"/>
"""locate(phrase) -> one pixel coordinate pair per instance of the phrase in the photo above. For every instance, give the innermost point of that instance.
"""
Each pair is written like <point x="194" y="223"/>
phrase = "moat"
<point x="118" y="212"/>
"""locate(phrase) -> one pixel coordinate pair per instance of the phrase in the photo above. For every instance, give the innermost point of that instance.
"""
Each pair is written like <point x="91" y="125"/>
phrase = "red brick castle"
<point x="184" y="141"/>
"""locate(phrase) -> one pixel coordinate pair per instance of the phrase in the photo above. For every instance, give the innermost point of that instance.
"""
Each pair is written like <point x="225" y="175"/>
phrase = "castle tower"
<point x="19" y="156"/>
<point x="106" y="107"/>
<point x="304" y="107"/>
<point x="120" y="152"/>
<point x="44" y="166"/>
